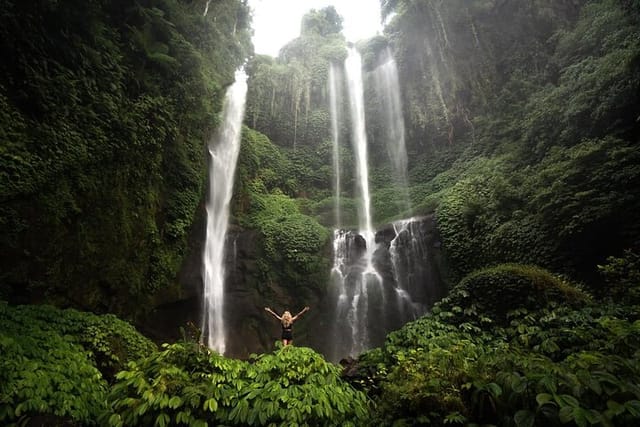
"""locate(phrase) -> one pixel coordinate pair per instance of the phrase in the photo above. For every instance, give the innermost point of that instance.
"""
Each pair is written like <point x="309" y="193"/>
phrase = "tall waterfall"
<point x="379" y="280"/>
<point x="335" y="95"/>
<point x="353" y="66"/>
<point x="223" y="150"/>
<point x="356" y="288"/>
<point x="388" y="89"/>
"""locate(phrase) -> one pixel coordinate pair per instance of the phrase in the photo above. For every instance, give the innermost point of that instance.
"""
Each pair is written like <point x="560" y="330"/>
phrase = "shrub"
<point x="622" y="275"/>
<point x="188" y="384"/>
<point x="551" y="366"/>
<point x="44" y="369"/>
<point x="109" y="342"/>
<point x="496" y="291"/>
<point x="55" y="364"/>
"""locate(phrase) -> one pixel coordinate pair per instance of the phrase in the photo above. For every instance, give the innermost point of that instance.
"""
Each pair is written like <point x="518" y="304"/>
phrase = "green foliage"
<point x="103" y="116"/>
<point x="322" y="22"/>
<point x="293" y="243"/>
<point x="598" y="75"/>
<point x="261" y="160"/>
<point x="287" y="99"/>
<point x="56" y="363"/>
<point x="188" y="384"/>
<point x="547" y="366"/>
<point x="109" y="341"/>
<point x="324" y="211"/>
<point x="471" y="217"/>
<point x="622" y="276"/>
<point x="311" y="169"/>
<point x="542" y="213"/>
<point x="496" y="291"/>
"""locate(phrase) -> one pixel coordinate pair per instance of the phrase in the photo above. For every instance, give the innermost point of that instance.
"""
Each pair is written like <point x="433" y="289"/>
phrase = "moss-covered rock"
<point x="496" y="291"/>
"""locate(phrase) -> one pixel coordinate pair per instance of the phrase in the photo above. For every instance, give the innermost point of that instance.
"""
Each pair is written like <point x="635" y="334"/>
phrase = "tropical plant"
<point x="188" y="384"/>
<point x="550" y="365"/>
<point x="55" y="365"/>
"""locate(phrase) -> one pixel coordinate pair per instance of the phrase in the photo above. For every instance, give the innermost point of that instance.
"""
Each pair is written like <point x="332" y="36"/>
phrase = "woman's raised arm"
<point x="268" y="310"/>
<point x="304" y="310"/>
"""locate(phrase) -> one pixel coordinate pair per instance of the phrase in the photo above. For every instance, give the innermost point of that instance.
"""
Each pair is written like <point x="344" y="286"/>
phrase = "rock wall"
<point x="419" y="264"/>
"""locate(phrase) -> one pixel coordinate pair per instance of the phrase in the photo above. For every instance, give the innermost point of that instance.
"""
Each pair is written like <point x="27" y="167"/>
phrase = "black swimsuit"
<point x="287" y="332"/>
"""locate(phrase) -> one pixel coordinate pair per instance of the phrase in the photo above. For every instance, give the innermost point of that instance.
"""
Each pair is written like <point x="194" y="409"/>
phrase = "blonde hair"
<point x="287" y="319"/>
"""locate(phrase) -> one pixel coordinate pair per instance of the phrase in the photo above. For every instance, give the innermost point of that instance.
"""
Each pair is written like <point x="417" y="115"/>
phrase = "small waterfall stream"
<point x="406" y="250"/>
<point x="223" y="150"/>
<point x="388" y="89"/>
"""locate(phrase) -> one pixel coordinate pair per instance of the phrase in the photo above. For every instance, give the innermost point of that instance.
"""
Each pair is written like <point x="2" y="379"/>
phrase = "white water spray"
<point x="405" y="251"/>
<point x="223" y="150"/>
<point x="388" y="86"/>
<point x="353" y="66"/>
<point x="334" y="95"/>
<point x="355" y="290"/>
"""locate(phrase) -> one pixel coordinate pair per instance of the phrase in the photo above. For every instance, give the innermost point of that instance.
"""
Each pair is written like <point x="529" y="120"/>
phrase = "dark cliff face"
<point x="363" y="304"/>
<point x="413" y="250"/>
<point x="408" y="258"/>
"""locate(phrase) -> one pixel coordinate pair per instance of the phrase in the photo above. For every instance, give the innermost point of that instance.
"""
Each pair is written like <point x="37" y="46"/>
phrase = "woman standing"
<point x="286" y="320"/>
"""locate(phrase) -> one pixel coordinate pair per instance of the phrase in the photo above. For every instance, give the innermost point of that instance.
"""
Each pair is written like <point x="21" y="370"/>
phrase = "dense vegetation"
<point x="543" y="360"/>
<point x="522" y="131"/>
<point x="553" y="356"/>
<point x="64" y="367"/>
<point x="58" y="364"/>
<point x="539" y="166"/>
<point x="186" y="384"/>
<point x="293" y="243"/>
<point x="104" y="107"/>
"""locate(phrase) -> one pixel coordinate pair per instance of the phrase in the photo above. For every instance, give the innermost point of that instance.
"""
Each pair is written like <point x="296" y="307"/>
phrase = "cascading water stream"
<point x="404" y="251"/>
<point x="223" y="150"/>
<point x="353" y="67"/>
<point x="335" y="94"/>
<point x="375" y="287"/>
<point x="356" y="290"/>
<point x="388" y="86"/>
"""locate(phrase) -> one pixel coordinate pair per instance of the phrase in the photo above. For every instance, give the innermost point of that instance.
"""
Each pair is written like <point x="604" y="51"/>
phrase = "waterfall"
<point x="406" y="250"/>
<point x="356" y="283"/>
<point x="379" y="280"/>
<point x="335" y="96"/>
<point x="206" y="8"/>
<point x="353" y="66"/>
<point x="342" y="332"/>
<point x="223" y="150"/>
<point x="388" y="87"/>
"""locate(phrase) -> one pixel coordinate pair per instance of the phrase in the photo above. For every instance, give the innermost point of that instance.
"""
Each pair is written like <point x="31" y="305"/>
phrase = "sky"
<point x="276" y="22"/>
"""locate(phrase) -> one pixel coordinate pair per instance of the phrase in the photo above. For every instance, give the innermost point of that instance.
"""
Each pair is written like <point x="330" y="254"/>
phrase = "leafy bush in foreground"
<point x="546" y="365"/>
<point x="188" y="384"/>
<point x="110" y="342"/>
<point x="56" y="363"/>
